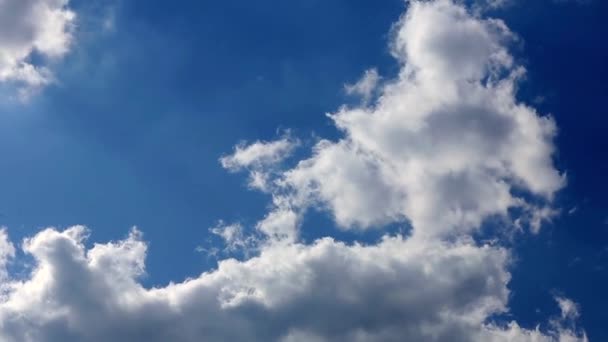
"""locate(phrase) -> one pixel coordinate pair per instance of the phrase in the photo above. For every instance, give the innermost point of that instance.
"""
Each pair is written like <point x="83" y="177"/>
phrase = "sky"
<point x="302" y="171"/>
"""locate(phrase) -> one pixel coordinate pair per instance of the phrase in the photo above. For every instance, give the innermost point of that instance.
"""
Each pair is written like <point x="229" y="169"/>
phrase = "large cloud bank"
<point x="445" y="147"/>
<point x="328" y="291"/>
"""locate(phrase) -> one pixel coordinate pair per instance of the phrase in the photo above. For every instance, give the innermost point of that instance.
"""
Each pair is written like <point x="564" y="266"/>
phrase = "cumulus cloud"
<point x="235" y="239"/>
<point x="445" y="147"/>
<point x="326" y="291"/>
<point x="28" y="27"/>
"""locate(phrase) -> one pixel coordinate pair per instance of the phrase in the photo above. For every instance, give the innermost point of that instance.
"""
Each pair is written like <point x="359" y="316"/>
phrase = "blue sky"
<point x="147" y="98"/>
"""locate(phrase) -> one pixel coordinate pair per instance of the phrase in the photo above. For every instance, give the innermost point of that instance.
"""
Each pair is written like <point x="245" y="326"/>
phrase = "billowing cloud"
<point x="234" y="238"/>
<point x="444" y="146"/>
<point x="29" y="27"/>
<point x="326" y="291"/>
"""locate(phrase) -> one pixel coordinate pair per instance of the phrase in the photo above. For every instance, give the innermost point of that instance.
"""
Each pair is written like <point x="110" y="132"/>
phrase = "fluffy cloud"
<point x="29" y="27"/>
<point x="326" y="291"/>
<point x="443" y="146"/>
<point x="260" y="158"/>
<point x="258" y="154"/>
<point x="234" y="238"/>
<point x="7" y="252"/>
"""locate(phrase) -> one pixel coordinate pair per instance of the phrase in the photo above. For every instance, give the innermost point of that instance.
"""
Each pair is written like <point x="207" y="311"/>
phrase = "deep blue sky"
<point x="132" y="133"/>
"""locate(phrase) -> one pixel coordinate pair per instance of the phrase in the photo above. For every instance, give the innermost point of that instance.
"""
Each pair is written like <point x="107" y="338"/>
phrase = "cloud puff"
<point x="260" y="158"/>
<point x="326" y="291"/>
<point x="366" y="86"/>
<point x="445" y="146"/>
<point x="29" y="27"/>
<point x="258" y="154"/>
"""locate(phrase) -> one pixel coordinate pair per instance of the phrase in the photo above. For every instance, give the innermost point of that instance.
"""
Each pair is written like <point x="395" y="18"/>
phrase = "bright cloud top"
<point x="29" y="27"/>
<point x="445" y="146"/>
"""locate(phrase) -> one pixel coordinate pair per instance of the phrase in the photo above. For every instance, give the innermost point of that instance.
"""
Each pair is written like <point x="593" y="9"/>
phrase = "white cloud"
<point x="480" y="6"/>
<point x="446" y="145"/>
<point x="366" y="86"/>
<point x="30" y="27"/>
<point x="258" y="154"/>
<point x="280" y="224"/>
<point x="327" y="291"/>
<point x="570" y="309"/>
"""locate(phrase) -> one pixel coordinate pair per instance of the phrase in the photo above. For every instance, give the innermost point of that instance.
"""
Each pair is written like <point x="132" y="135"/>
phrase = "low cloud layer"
<point x="327" y="291"/>
<point x="444" y="146"/>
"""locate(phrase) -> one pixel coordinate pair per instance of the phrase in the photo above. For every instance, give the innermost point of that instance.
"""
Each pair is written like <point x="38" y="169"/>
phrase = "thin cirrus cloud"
<point x="445" y="146"/>
<point x="29" y="27"/>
